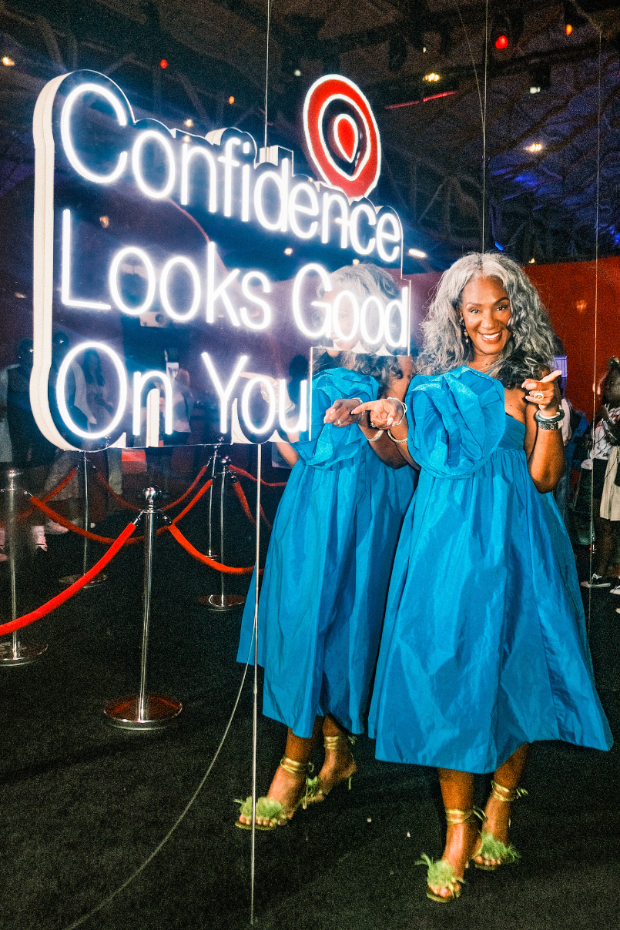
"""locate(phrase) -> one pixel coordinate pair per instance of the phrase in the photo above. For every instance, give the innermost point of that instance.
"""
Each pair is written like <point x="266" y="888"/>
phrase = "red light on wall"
<point x="163" y="63"/>
<point x="502" y="42"/>
<point x="569" y="29"/>
<point x="231" y="100"/>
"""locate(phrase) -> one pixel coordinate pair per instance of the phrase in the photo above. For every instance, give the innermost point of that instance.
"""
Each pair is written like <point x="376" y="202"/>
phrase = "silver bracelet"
<point x="393" y="438"/>
<point x="404" y="406"/>
<point x="556" y="418"/>
<point x="378" y="436"/>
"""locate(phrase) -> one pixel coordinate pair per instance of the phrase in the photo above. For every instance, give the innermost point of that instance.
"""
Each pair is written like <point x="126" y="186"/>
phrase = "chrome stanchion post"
<point x="210" y="551"/>
<point x="223" y="601"/>
<point x="101" y="577"/>
<point x="15" y="652"/>
<point x="144" y="711"/>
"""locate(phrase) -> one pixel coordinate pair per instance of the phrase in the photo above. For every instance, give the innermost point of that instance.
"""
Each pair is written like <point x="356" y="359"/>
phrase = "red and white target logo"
<point x="342" y="136"/>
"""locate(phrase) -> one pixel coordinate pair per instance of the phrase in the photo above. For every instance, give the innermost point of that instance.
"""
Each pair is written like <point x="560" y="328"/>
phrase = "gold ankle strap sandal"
<point x="493" y="852"/>
<point x="454" y="815"/>
<point x="339" y="743"/>
<point x="508" y="795"/>
<point x="298" y="769"/>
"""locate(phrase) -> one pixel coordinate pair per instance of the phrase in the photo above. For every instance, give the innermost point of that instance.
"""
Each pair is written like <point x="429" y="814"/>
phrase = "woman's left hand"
<point x="545" y="393"/>
<point x="340" y="412"/>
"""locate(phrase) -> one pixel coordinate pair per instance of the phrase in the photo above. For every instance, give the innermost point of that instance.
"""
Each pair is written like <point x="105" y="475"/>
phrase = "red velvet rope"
<point x="129" y="506"/>
<point x="55" y="602"/>
<point x="186" y="544"/>
<point x="114" y="495"/>
<point x="246" y="507"/>
<point x="48" y="497"/>
<point x="246" y="474"/>
<point x="107" y="540"/>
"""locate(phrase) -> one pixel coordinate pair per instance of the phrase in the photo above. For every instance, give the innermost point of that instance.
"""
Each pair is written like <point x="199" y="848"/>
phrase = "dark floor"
<point x="83" y="805"/>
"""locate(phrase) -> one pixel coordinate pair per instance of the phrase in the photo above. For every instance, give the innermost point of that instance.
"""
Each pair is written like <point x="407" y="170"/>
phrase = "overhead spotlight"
<point x="163" y="64"/>
<point x="507" y="30"/>
<point x="189" y="123"/>
<point x="7" y="62"/>
<point x="21" y="296"/>
<point x="355" y="261"/>
<point x="540" y="79"/>
<point x="535" y="147"/>
<point x="186" y="139"/>
<point x="416" y="253"/>
<point x="432" y="78"/>
<point x="297" y="72"/>
<point x="231" y="100"/>
<point x="105" y="221"/>
<point x="532" y="261"/>
<point x="288" y="251"/>
<point x="397" y="52"/>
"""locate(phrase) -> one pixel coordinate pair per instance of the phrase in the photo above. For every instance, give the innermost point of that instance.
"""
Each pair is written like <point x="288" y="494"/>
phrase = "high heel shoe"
<point x="491" y="848"/>
<point x="441" y="873"/>
<point x="275" y="813"/>
<point x="315" y="789"/>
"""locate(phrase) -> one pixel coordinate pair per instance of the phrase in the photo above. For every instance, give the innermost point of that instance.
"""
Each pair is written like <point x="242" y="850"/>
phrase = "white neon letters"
<point x="139" y="380"/>
<point x="245" y="405"/>
<point x="224" y="392"/>
<point x="61" y="385"/>
<point x="115" y="290"/>
<point x="163" y="289"/>
<point x="300" y="277"/>
<point x="67" y="138"/>
<point x="65" y="273"/>
<point x="263" y="280"/>
<point x="151" y="135"/>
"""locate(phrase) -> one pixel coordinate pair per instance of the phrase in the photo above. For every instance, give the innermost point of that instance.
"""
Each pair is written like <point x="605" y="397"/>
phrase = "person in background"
<point x="605" y="437"/>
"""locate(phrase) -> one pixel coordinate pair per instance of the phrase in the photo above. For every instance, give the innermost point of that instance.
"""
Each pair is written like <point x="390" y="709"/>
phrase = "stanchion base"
<point x="24" y="654"/>
<point x="93" y="583"/>
<point x="222" y="602"/>
<point x="160" y="711"/>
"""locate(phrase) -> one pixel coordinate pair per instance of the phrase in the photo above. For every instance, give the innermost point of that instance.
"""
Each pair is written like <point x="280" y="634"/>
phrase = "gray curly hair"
<point x="528" y="352"/>
<point x="363" y="280"/>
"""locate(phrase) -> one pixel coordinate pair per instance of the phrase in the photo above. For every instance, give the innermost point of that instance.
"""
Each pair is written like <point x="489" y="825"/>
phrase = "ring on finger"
<point x="538" y="395"/>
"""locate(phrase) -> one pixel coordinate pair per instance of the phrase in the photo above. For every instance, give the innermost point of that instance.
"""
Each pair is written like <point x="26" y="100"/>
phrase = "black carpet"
<point x="84" y="805"/>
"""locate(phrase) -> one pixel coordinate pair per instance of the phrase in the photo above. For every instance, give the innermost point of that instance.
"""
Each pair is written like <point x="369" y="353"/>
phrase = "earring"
<point x="463" y="330"/>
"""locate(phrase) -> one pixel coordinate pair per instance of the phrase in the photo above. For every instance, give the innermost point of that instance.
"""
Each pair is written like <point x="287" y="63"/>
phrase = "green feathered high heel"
<point x="315" y="790"/>
<point x="441" y="873"/>
<point x="275" y="813"/>
<point x="491" y="848"/>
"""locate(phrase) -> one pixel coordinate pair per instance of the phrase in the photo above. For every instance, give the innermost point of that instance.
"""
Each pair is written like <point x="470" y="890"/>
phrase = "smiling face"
<point x="485" y="310"/>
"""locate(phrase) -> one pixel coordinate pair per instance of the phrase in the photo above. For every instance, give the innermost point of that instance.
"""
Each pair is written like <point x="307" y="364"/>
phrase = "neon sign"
<point x="89" y="144"/>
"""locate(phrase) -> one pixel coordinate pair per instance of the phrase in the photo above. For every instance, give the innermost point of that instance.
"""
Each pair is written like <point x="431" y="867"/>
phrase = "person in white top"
<point x="606" y="436"/>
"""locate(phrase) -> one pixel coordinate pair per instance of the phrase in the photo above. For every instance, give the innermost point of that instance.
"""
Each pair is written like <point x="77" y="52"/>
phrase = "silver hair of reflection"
<point x="364" y="280"/>
<point x="533" y="342"/>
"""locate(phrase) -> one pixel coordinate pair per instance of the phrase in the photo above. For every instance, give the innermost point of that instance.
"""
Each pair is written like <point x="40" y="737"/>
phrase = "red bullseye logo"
<point x="342" y="136"/>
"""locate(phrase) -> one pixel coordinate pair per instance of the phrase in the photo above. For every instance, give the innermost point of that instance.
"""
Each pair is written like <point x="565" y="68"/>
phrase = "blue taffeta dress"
<point x="327" y="571"/>
<point x="484" y="645"/>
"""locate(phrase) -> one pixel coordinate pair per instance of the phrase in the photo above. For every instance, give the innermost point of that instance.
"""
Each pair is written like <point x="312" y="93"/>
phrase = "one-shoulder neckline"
<point x="514" y="418"/>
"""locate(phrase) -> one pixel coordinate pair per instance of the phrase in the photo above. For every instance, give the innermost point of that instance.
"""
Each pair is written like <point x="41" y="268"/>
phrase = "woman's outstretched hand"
<point x="384" y="413"/>
<point x="545" y="393"/>
<point x="340" y="412"/>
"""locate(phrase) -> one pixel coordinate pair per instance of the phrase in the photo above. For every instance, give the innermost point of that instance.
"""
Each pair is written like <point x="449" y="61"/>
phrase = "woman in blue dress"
<point x="484" y="647"/>
<point x="321" y="603"/>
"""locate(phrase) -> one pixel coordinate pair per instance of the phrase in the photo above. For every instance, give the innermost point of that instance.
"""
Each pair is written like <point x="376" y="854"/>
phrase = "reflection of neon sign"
<point x="225" y="175"/>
